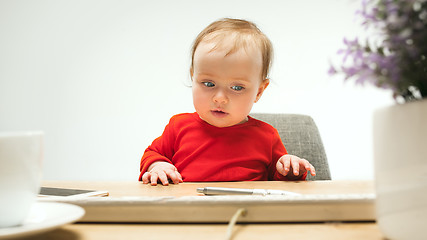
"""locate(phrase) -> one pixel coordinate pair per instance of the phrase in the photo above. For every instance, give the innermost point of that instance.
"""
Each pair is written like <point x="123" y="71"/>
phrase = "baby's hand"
<point x="161" y="171"/>
<point x="294" y="167"/>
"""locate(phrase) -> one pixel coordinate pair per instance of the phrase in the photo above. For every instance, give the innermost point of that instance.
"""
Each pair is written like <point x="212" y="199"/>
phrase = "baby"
<point x="220" y="141"/>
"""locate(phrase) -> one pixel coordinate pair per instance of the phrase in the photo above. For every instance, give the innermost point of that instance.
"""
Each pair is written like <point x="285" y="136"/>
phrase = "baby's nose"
<point x="220" y="97"/>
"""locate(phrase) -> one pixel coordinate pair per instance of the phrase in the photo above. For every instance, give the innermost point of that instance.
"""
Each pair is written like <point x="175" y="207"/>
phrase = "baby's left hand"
<point x="293" y="166"/>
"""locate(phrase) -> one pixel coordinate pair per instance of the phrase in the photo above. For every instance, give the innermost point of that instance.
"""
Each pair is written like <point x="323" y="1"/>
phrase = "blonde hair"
<point x="244" y="34"/>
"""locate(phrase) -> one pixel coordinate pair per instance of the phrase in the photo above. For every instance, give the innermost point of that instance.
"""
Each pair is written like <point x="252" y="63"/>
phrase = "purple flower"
<point x="398" y="59"/>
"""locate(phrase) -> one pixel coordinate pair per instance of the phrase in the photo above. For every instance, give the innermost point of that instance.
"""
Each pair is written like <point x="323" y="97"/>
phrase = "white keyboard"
<point x="219" y="209"/>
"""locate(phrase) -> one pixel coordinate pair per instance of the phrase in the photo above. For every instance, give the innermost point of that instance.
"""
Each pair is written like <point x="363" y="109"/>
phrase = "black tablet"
<point x="69" y="192"/>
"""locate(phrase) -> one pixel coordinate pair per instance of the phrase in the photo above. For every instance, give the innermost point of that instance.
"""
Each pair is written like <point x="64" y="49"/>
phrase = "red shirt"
<point x="202" y="152"/>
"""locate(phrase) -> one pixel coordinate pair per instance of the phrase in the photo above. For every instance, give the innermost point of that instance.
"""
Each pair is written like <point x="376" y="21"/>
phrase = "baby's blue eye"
<point x="209" y="84"/>
<point x="237" y="88"/>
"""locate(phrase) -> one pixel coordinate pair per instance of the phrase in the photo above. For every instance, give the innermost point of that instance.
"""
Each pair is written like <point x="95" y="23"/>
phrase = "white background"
<point x="102" y="78"/>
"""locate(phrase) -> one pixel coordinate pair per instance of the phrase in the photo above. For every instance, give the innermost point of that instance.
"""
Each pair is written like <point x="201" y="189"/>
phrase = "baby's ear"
<point x="191" y="72"/>
<point x="261" y="88"/>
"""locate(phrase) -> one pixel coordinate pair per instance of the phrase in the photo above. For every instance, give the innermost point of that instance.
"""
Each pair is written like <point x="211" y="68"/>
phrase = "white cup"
<point x="21" y="156"/>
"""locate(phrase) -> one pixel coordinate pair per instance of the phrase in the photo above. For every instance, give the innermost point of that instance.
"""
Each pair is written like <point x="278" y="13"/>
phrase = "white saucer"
<point x="44" y="216"/>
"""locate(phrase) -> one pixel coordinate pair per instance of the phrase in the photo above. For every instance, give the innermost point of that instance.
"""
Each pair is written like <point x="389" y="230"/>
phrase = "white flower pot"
<point x="400" y="155"/>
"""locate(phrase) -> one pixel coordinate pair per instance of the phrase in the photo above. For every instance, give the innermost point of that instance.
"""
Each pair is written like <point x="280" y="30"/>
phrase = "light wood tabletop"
<point x="289" y="230"/>
<point x="121" y="189"/>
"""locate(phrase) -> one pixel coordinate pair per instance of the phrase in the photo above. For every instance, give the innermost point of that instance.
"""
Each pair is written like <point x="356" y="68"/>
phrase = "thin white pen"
<point x="243" y="191"/>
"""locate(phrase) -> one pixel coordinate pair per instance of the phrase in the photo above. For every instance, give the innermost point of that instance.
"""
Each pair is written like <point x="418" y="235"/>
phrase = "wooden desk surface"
<point x="318" y="231"/>
<point x="121" y="189"/>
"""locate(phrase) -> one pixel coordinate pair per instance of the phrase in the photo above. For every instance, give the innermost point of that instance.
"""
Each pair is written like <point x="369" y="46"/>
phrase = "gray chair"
<point x="301" y="137"/>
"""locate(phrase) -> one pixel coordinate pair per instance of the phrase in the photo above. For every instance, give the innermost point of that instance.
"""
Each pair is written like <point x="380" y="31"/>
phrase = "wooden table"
<point x="314" y="230"/>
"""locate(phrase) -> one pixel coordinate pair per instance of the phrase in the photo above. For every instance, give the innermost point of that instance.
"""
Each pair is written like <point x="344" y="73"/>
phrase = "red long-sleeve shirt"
<point x="202" y="152"/>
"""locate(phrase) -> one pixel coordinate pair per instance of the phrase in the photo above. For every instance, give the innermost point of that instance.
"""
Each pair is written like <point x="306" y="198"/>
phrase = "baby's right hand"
<point x="161" y="171"/>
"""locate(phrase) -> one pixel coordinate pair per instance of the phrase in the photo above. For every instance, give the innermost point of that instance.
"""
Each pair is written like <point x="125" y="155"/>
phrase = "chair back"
<point x="301" y="137"/>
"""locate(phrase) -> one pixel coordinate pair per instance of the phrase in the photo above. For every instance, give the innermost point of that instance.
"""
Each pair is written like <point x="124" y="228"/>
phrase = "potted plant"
<point x="394" y="57"/>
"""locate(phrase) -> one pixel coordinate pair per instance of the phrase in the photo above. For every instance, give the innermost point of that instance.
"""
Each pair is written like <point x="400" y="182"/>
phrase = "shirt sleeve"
<point x="162" y="149"/>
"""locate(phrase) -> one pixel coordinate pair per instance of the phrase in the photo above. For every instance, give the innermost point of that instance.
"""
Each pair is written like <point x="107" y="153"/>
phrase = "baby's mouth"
<point x="219" y="113"/>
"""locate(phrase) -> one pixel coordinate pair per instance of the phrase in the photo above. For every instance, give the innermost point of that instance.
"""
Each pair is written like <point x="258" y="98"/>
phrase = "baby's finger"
<point x="280" y="168"/>
<point x="312" y="170"/>
<point x="308" y="167"/>
<point x="286" y="165"/>
<point x="179" y="176"/>
<point x="163" y="178"/>
<point x="154" y="177"/>
<point x="173" y="176"/>
<point x="295" y="166"/>
<point x="145" y="178"/>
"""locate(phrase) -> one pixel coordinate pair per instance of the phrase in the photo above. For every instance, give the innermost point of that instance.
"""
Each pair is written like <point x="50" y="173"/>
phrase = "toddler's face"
<point x="225" y="87"/>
